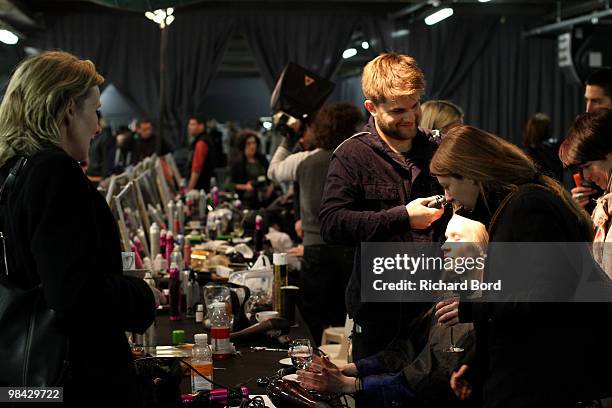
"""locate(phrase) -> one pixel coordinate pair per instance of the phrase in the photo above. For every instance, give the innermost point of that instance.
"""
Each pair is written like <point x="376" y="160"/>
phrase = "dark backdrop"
<point x="481" y="63"/>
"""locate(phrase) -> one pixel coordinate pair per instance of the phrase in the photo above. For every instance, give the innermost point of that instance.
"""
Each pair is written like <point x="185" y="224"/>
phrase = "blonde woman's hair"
<point x="390" y="76"/>
<point x="37" y="98"/>
<point x="439" y="115"/>
<point x="495" y="165"/>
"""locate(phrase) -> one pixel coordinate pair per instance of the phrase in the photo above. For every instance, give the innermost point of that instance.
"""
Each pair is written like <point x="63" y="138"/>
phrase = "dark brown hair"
<point x="537" y="130"/>
<point x="245" y="135"/>
<point x="495" y="165"/>
<point x="603" y="79"/>
<point x="335" y="123"/>
<point x="589" y="138"/>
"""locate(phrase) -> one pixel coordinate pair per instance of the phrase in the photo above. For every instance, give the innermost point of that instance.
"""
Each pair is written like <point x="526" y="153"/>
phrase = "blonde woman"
<point x="59" y="231"/>
<point x="441" y="115"/>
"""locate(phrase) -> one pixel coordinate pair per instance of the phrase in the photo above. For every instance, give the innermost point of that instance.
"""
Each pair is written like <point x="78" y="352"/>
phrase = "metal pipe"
<point x="567" y="23"/>
<point x="408" y="10"/>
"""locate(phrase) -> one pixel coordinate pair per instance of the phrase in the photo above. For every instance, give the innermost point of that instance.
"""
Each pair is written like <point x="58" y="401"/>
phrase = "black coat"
<point x="532" y="354"/>
<point x="62" y="233"/>
<point x="364" y="200"/>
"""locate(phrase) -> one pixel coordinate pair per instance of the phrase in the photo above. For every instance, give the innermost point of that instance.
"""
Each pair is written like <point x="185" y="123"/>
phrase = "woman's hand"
<point x="349" y="370"/>
<point x="325" y="377"/>
<point x="447" y="312"/>
<point x="297" y="251"/>
<point x="460" y="386"/>
<point x="582" y="195"/>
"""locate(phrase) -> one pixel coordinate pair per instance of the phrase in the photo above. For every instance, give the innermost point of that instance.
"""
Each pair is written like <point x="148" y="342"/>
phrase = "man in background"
<point x="201" y="160"/>
<point x="147" y="143"/>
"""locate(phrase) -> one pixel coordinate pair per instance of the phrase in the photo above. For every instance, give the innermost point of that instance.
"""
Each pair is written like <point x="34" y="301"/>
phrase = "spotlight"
<point x="349" y="52"/>
<point x="438" y="16"/>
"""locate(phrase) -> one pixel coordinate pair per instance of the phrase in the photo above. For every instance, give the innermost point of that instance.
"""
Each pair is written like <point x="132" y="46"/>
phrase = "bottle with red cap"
<point x="220" y="332"/>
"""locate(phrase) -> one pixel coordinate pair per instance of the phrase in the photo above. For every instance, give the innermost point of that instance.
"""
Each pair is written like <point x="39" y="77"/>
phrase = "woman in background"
<point x="441" y="115"/>
<point x="588" y="146"/>
<point x="538" y="145"/>
<point x="248" y="171"/>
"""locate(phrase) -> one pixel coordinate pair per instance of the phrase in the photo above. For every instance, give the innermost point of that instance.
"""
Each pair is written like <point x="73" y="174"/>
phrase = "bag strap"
<point x="10" y="179"/>
<point x="5" y="190"/>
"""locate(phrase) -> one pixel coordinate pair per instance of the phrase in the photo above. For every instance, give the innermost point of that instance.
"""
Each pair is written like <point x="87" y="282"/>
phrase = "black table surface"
<point x="241" y="369"/>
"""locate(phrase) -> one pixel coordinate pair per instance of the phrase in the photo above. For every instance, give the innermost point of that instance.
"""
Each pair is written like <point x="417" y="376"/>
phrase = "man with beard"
<point x="377" y="188"/>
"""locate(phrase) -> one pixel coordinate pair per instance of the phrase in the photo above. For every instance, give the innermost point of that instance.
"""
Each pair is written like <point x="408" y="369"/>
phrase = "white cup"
<point x="129" y="261"/>
<point x="267" y="315"/>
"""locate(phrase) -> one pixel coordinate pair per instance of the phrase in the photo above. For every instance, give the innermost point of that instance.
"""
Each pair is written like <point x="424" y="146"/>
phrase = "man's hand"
<point x="582" y="195"/>
<point x="460" y="386"/>
<point x="325" y="377"/>
<point x="421" y="216"/>
<point x="447" y="312"/>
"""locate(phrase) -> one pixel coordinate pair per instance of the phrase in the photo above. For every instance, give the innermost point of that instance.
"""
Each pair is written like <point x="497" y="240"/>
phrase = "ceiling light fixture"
<point x="349" y="52"/>
<point x="162" y="17"/>
<point x="438" y="16"/>
<point x="8" y="37"/>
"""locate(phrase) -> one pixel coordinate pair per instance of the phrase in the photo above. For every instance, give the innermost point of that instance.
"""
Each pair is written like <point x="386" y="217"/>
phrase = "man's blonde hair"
<point x="37" y="98"/>
<point x="390" y="76"/>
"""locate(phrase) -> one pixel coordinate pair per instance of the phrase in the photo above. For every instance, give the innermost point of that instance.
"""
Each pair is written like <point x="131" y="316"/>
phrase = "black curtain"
<point x="196" y="44"/>
<point x="509" y="79"/>
<point x="447" y="52"/>
<point x="315" y="42"/>
<point x="377" y="31"/>
<point x="487" y="67"/>
<point x="124" y="47"/>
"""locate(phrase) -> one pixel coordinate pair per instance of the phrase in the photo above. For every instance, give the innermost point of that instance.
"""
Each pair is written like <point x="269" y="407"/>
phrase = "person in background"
<point x="376" y="189"/>
<point x="147" y="143"/>
<point x="588" y="146"/>
<point x="325" y="268"/>
<point x="441" y="115"/>
<point x="97" y="151"/>
<point x="537" y="143"/>
<point x="598" y="90"/>
<point x="233" y="134"/>
<point x="248" y="171"/>
<point x="392" y="377"/>
<point x="61" y="233"/>
<point x="597" y="95"/>
<point x="216" y="136"/>
<point x="119" y="152"/>
<point x="202" y="155"/>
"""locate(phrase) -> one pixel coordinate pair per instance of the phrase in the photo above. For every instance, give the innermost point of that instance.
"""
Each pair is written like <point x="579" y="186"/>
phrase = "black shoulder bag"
<point x="33" y="344"/>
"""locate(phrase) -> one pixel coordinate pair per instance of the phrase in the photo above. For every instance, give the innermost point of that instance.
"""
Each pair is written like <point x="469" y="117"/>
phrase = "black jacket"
<point x="532" y="354"/>
<point x="364" y="200"/>
<point x="155" y="144"/>
<point x="61" y="233"/>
